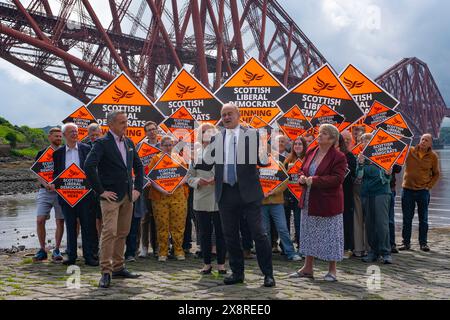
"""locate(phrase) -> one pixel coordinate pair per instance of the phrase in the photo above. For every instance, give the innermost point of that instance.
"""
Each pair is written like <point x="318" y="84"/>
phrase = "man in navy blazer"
<point x="76" y="152"/>
<point x="109" y="168"/>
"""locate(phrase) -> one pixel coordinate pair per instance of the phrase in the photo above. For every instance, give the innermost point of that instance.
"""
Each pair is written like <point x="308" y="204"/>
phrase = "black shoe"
<point x="404" y="247"/>
<point x="269" y="281"/>
<point x="91" y="262"/>
<point x="424" y="247"/>
<point x="124" y="273"/>
<point x="105" y="281"/>
<point x="206" y="271"/>
<point x="69" y="262"/>
<point x="222" y="271"/>
<point x="233" y="279"/>
<point x="394" y="249"/>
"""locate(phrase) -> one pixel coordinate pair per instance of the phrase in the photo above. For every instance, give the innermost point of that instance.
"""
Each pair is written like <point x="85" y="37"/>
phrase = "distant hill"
<point x="47" y="128"/>
<point x="24" y="141"/>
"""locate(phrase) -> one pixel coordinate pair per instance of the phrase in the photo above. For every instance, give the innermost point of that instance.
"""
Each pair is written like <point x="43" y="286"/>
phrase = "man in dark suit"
<point x="239" y="192"/>
<point x="76" y="152"/>
<point x="109" y="168"/>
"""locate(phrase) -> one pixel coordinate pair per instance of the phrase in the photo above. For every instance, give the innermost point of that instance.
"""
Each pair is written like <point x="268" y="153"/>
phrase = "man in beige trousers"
<point x="109" y="168"/>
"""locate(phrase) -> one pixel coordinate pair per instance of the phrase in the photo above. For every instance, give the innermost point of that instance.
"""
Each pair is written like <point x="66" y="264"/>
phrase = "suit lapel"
<point x="129" y="154"/>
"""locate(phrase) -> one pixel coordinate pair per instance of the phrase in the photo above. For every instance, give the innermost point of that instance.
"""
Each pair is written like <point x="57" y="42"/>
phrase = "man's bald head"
<point x="426" y="141"/>
<point x="230" y="116"/>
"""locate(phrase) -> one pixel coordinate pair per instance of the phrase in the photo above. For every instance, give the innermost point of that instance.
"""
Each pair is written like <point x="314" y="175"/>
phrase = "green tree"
<point x="12" y="139"/>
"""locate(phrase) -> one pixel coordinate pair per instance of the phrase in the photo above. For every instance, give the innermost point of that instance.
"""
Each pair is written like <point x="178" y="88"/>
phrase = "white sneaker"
<point x="181" y="258"/>
<point x="143" y="253"/>
<point x="296" y="258"/>
<point x="162" y="258"/>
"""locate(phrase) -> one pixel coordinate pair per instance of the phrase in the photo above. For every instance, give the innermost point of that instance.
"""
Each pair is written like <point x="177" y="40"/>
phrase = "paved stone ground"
<point x="414" y="275"/>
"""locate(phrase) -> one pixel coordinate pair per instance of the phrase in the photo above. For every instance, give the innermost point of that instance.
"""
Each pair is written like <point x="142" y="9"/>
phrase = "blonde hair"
<point x="201" y="128"/>
<point x="332" y="131"/>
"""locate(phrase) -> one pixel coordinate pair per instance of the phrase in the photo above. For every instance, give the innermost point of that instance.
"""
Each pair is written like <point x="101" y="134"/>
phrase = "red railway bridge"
<point x="64" y="43"/>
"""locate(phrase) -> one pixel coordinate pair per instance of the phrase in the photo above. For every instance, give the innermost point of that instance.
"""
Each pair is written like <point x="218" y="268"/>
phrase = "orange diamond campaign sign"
<point x="323" y="87"/>
<point x="401" y="160"/>
<point x="146" y="152"/>
<point x="364" y="90"/>
<point x="43" y="167"/>
<point x="384" y="149"/>
<point x="326" y="115"/>
<point x="260" y="124"/>
<point x="123" y="95"/>
<point x="181" y="124"/>
<point x="188" y="92"/>
<point x="294" y="123"/>
<point x="358" y="149"/>
<point x="272" y="176"/>
<point x="377" y="114"/>
<point x="82" y="118"/>
<point x="293" y="185"/>
<point x="72" y="185"/>
<point x="254" y="90"/>
<point x="397" y="126"/>
<point x="167" y="173"/>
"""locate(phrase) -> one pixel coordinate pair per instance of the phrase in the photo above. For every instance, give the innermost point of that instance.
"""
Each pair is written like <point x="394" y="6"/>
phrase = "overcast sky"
<point x="371" y="34"/>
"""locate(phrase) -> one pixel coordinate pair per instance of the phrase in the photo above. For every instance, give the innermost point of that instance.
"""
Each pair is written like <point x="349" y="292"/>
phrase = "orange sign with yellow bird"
<point x="82" y="118"/>
<point x="322" y="87"/>
<point x="255" y="90"/>
<point x="188" y="92"/>
<point x="122" y="94"/>
<point x="364" y="90"/>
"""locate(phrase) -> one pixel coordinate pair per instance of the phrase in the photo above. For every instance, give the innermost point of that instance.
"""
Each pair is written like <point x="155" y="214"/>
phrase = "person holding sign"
<point x="109" y="168"/>
<point x="45" y="201"/>
<point x="169" y="209"/>
<point x="239" y="192"/>
<point x="322" y="203"/>
<point x="421" y="174"/>
<point x="375" y="199"/>
<point x="298" y="152"/>
<point x="205" y="205"/>
<point x="76" y="152"/>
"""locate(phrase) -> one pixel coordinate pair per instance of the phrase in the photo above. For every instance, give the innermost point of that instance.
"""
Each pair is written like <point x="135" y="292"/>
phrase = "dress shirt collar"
<point x="74" y="148"/>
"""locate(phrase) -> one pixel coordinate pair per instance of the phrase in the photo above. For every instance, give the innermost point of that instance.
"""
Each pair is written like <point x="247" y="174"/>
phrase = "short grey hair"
<point x="230" y="105"/>
<point x="93" y="127"/>
<point x="332" y="131"/>
<point x="67" y="125"/>
<point x="164" y="138"/>
<point x="111" y="116"/>
<point x="366" y="137"/>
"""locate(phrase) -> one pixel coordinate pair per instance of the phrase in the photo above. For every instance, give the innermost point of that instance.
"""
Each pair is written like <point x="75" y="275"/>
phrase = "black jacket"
<point x="106" y="171"/>
<point x="247" y="171"/>
<point x="59" y="160"/>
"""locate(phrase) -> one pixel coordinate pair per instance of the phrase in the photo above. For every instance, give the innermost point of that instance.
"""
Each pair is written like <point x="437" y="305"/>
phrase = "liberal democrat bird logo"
<point x="82" y="114"/>
<point x="120" y="94"/>
<point x="353" y="84"/>
<point x="251" y="77"/>
<point x="381" y="139"/>
<point x="184" y="89"/>
<point x="377" y="109"/>
<point x="322" y="85"/>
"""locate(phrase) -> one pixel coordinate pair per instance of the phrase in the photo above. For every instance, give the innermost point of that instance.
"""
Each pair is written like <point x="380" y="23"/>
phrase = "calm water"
<point x="17" y="212"/>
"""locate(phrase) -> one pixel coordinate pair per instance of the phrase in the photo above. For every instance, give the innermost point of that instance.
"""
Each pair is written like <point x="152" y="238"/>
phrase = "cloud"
<point x="372" y="34"/>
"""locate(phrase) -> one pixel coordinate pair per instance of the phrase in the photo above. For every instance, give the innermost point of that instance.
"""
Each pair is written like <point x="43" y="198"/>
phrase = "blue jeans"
<point x="392" y="220"/>
<point x="409" y="200"/>
<point x="279" y="218"/>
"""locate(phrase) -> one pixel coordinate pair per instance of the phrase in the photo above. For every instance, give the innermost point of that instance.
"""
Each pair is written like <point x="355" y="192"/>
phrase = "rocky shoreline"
<point x="16" y="177"/>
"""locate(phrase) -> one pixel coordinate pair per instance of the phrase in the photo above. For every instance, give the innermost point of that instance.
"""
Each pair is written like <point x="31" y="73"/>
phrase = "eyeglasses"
<point x="151" y="130"/>
<point x="166" y="145"/>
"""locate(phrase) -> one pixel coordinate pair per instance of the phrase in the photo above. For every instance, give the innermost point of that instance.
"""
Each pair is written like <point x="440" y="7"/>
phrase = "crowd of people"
<point x="346" y="208"/>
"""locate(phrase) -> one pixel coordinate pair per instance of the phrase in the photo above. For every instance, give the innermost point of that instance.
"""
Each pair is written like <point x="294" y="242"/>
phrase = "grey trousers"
<point x="359" y="230"/>
<point x="376" y="216"/>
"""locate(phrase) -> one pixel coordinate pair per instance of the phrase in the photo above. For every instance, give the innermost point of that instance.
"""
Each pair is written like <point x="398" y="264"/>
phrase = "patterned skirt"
<point x="321" y="237"/>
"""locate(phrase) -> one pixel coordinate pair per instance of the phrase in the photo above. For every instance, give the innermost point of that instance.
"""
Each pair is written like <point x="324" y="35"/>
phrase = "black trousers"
<point x="231" y="208"/>
<point x="206" y="222"/>
<point x="88" y="228"/>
